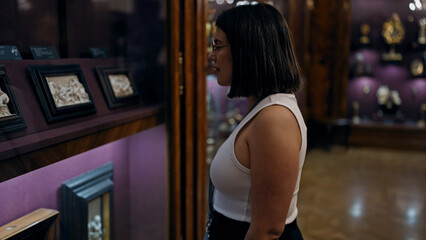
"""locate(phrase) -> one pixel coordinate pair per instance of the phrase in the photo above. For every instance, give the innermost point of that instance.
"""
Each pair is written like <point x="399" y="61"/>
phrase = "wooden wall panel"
<point x="173" y="119"/>
<point x="297" y="16"/>
<point x="194" y="118"/>
<point x="189" y="114"/>
<point x="298" y="21"/>
<point x="201" y="179"/>
<point x="385" y="136"/>
<point x="328" y="56"/>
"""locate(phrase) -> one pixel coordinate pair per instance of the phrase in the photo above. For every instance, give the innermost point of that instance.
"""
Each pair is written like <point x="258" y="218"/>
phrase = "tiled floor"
<point x="365" y="194"/>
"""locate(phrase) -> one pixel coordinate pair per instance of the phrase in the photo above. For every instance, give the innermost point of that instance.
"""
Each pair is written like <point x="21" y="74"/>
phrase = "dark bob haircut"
<point x="264" y="61"/>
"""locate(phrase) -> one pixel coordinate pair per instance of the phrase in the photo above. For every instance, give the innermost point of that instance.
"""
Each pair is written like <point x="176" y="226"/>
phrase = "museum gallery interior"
<point x="110" y="117"/>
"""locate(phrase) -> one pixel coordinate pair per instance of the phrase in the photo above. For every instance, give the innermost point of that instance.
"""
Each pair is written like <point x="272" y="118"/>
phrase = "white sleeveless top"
<point x="232" y="180"/>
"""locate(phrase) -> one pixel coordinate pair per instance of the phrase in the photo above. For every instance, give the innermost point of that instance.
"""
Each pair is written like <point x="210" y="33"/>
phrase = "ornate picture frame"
<point x="87" y="205"/>
<point x="62" y="91"/>
<point x="118" y="86"/>
<point x="11" y="118"/>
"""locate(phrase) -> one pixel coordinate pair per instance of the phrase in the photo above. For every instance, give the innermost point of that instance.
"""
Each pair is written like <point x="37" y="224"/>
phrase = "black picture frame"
<point x="13" y="119"/>
<point x="76" y="196"/>
<point x="112" y="96"/>
<point x="53" y="83"/>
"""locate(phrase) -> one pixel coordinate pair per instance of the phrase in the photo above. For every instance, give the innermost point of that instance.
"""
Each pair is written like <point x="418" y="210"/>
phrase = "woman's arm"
<point x="274" y="142"/>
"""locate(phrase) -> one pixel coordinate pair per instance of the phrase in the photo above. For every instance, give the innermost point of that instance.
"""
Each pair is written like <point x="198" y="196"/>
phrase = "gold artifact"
<point x="422" y="31"/>
<point x="422" y="122"/>
<point x="393" y="32"/>
<point x="416" y="67"/>
<point x="355" y="118"/>
<point x="366" y="89"/>
<point x="365" y="30"/>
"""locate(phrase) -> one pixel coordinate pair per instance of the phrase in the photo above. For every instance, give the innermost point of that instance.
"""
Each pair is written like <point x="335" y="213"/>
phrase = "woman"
<point x="256" y="172"/>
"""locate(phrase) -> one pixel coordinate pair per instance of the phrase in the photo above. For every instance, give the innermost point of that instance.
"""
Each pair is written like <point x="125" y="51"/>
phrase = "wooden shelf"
<point x="34" y="151"/>
<point x="40" y="224"/>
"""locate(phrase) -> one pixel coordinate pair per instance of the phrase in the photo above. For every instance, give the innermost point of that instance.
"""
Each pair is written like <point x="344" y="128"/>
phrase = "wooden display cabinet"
<point x="40" y="224"/>
<point x="395" y="136"/>
<point x="43" y="143"/>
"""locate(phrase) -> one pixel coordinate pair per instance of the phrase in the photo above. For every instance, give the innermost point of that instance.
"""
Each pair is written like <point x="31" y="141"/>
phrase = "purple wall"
<point x="148" y="185"/>
<point x="396" y="76"/>
<point x="139" y="184"/>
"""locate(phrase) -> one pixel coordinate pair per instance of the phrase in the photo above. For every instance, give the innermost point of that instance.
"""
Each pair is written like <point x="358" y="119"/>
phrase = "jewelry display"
<point x="388" y="100"/>
<point x="360" y="67"/>
<point x="210" y="107"/>
<point x="393" y="32"/>
<point x="387" y="59"/>
<point x="232" y="118"/>
<point x="416" y="67"/>
<point x="422" y="122"/>
<point x="211" y="131"/>
<point x="366" y="89"/>
<point x="422" y="31"/>
<point x="359" y="61"/>
<point x="355" y="118"/>
<point x="365" y="30"/>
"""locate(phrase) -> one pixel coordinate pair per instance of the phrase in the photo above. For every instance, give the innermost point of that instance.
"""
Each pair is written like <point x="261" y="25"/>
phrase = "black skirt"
<point x="223" y="228"/>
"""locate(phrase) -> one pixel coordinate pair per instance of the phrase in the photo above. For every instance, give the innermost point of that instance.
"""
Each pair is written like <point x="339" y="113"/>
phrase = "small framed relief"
<point x="10" y="114"/>
<point x="87" y="205"/>
<point x="118" y="86"/>
<point x="62" y="91"/>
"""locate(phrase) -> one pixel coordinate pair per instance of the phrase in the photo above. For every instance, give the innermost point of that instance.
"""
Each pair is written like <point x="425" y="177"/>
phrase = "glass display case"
<point x="387" y="83"/>
<point x="388" y="52"/>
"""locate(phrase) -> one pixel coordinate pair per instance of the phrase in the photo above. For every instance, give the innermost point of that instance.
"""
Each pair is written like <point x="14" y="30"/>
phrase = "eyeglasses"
<point x="216" y="48"/>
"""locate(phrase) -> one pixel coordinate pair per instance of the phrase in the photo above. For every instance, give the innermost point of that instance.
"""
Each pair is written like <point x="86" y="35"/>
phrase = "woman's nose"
<point x="210" y="56"/>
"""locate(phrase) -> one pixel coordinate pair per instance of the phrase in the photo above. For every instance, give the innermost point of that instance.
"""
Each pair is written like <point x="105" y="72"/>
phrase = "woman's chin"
<point x="222" y="82"/>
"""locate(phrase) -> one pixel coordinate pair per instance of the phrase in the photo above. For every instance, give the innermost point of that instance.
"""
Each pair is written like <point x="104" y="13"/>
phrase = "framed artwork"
<point x="87" y="205"/>
<point x="118" y="86"/>
<point x="10" y="114"/>
<point x="62" y="91"/>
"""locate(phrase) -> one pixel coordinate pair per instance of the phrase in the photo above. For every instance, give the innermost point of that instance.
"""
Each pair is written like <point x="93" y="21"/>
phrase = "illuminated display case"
<point x="387" y="83"/>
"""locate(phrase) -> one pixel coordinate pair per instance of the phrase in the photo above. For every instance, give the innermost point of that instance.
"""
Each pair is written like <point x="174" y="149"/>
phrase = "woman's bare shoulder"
<point x="274" y="124"/>
<point x="274" y="115"/>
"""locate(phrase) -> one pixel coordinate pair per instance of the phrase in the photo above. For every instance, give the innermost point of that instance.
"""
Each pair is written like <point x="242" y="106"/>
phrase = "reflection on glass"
<point x="356" y="209"/>
<point x="411" y="215"/>
<point x="24" y="5"/>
